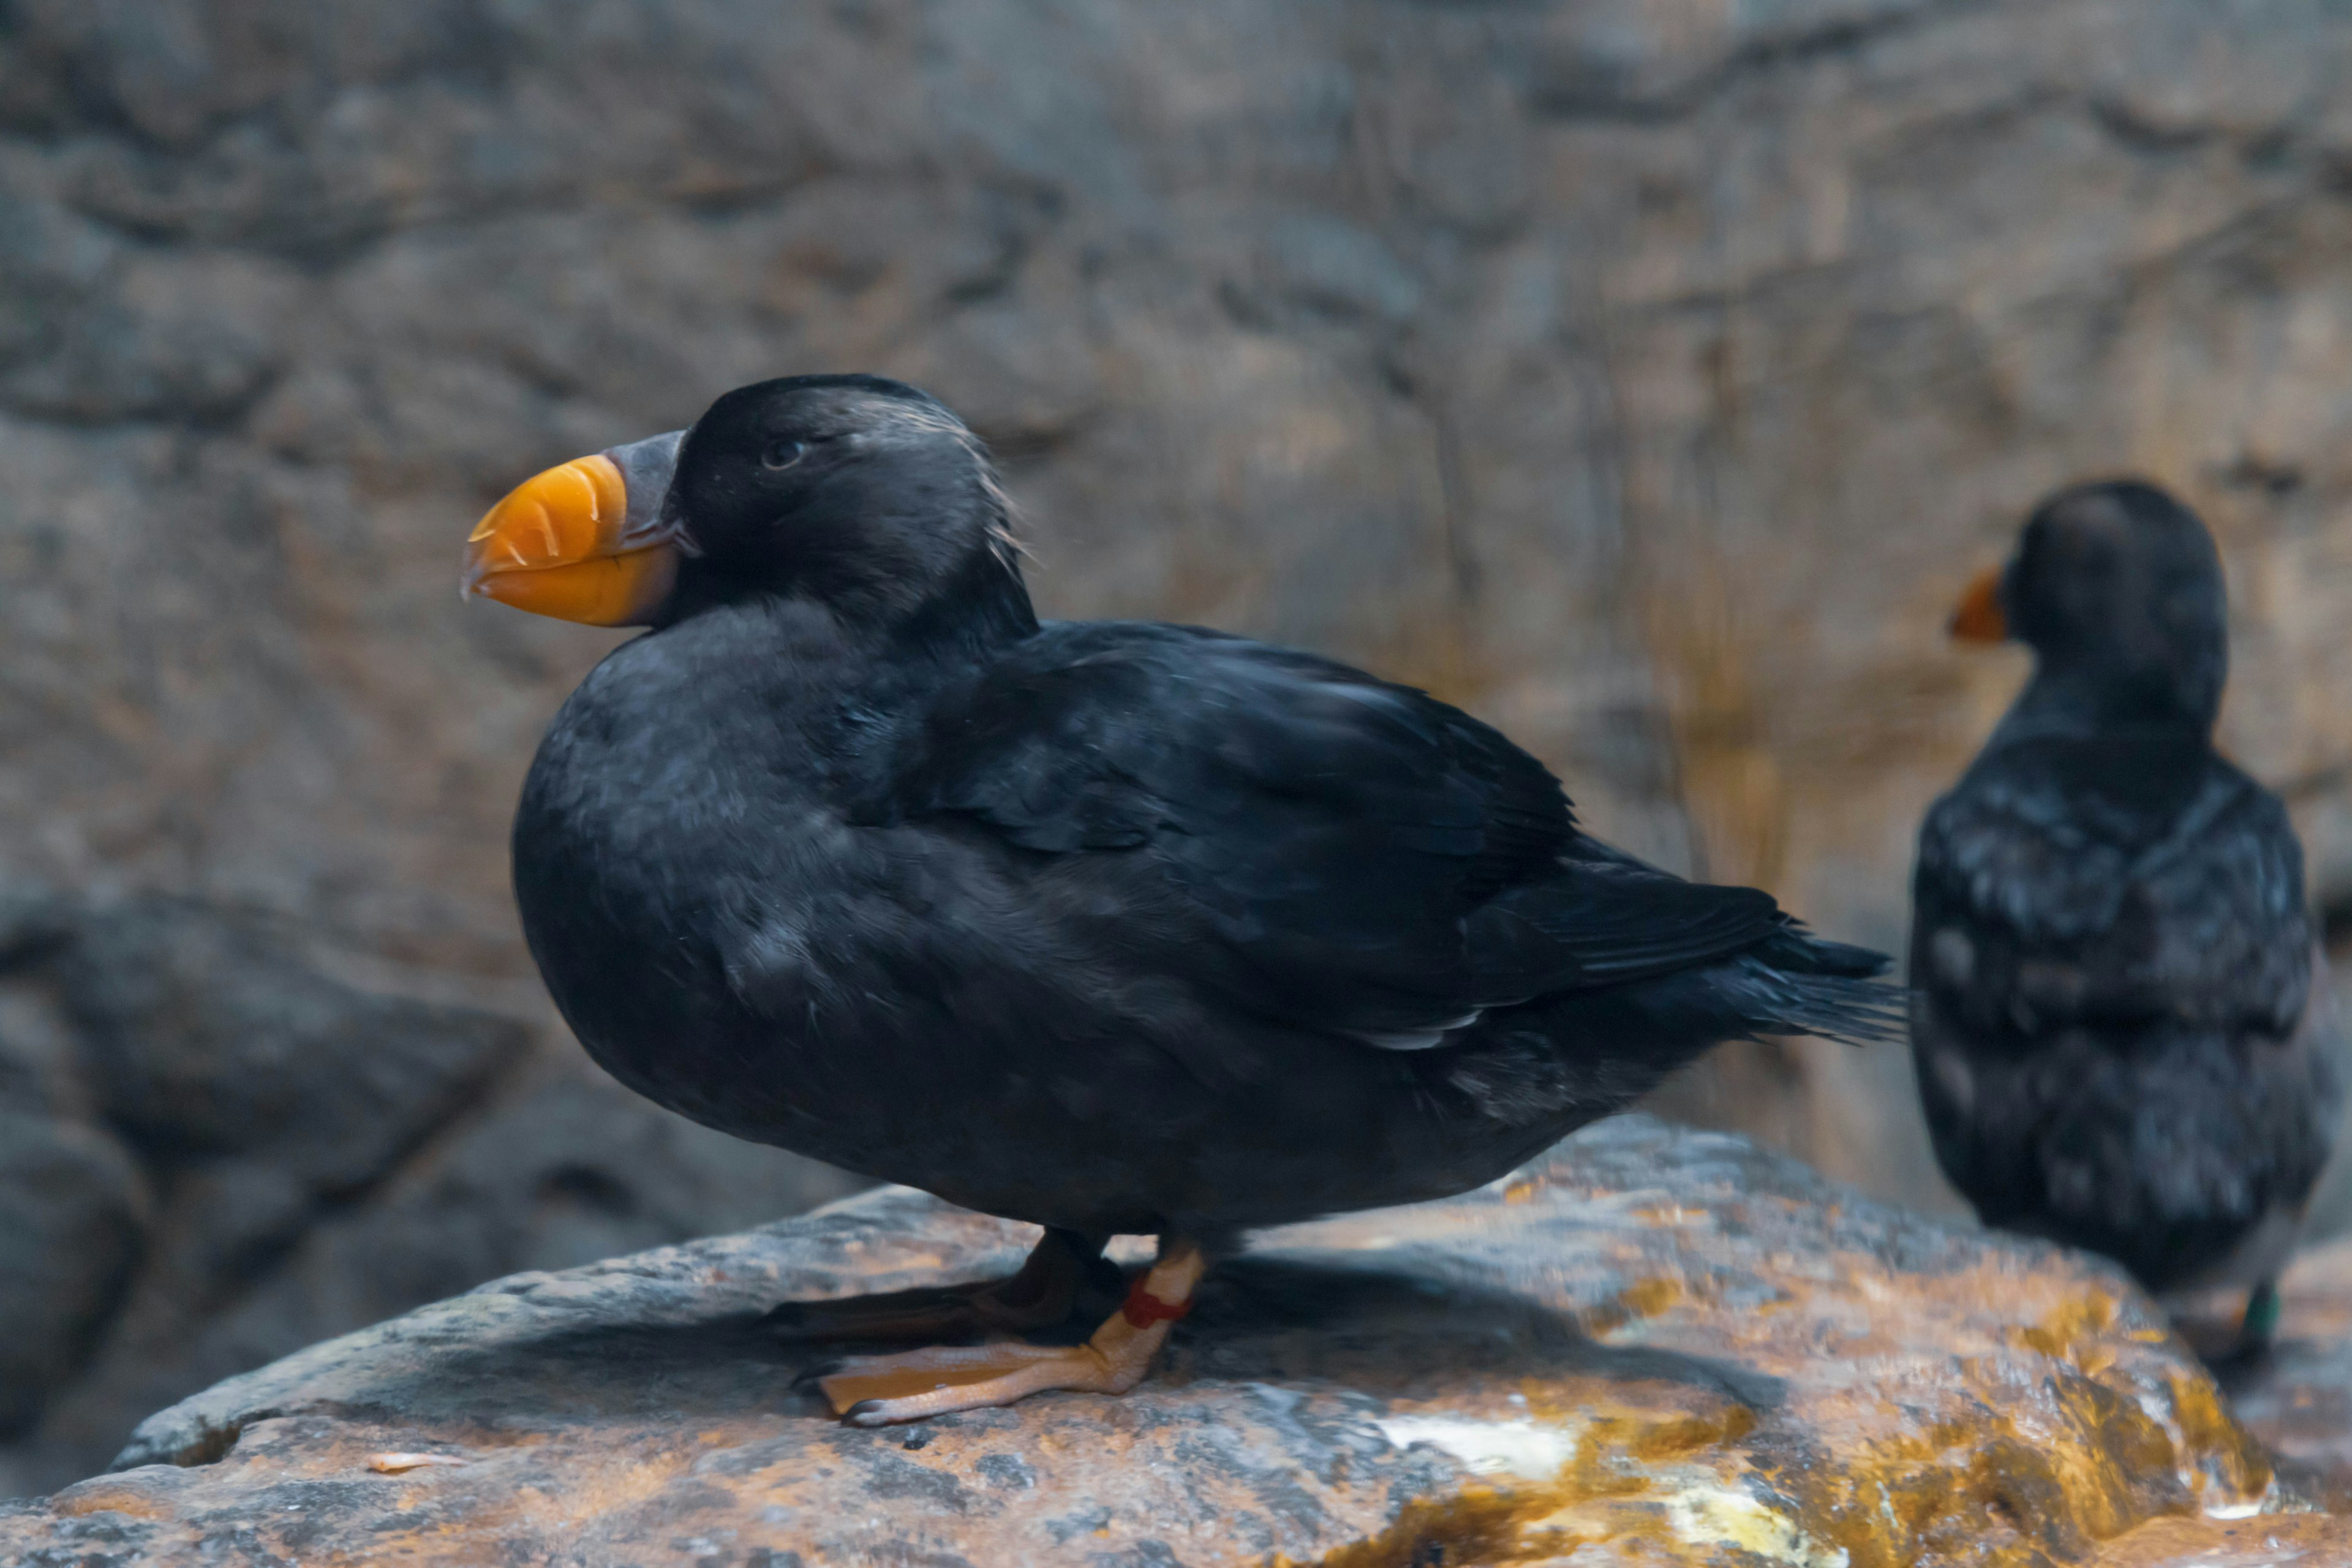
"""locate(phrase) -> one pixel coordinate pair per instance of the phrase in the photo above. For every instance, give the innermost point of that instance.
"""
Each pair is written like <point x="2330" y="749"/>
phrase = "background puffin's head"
<point x="2117" y="584"/>
<point x="861" y="493"/>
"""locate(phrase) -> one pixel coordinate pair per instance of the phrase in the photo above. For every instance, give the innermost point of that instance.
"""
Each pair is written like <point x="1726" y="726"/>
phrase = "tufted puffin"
<point x="1108" y="926"/>
<point x="2119" y="1014"/>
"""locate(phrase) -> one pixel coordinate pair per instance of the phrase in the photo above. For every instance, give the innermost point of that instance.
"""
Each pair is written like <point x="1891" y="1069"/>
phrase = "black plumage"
<point x="2119" y="1018"/>
<point x="1111" y="926"/>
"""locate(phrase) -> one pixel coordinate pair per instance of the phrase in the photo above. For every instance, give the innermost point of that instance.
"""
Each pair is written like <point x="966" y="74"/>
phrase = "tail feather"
<point x="1643" y="1029"/>
<point x="1854" y="1010"/>
<point x="1792" y="983"/>
<point x="1795" y="949"/>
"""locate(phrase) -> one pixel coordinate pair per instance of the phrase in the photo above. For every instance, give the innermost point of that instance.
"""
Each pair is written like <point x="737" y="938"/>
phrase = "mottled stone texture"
<point x="1653" y="1346"/>
<point x="214" y="1150"/>
<point x="2292" y="1540"/>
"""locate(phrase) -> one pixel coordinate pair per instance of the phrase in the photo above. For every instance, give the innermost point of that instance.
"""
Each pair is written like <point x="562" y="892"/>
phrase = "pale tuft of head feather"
<point x="929" y="417"/>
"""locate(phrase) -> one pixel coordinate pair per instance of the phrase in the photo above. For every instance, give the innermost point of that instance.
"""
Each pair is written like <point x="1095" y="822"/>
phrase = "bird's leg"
<point x="1039" y="1296"/>
<point x="2261" y="1321"/>
<point x="878" y="1391"/>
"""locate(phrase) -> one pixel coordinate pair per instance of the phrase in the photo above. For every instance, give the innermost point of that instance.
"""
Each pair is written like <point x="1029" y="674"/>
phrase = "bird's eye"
<point x="782" y="454"/>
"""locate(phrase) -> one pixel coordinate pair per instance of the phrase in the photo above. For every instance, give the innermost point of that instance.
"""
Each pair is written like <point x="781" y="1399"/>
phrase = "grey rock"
<point x="209" y="1039"/>
<point x="1330" y="267"/>
<point x="573" y="1171"/>
<point x="34" y="923"/>
<point x="188" y="336"/>
<point x="72" y="1212"/>
<point x="40" y="1070"/>
<point x="50" y="260"/>
<point x="246" y="1263"/>
<point x="216" y="1147"/>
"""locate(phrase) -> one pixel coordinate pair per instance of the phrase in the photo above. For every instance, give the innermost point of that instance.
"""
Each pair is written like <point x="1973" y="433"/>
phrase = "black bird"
<point x="1108" y="926"/>
<point x="2119" y="1012"/>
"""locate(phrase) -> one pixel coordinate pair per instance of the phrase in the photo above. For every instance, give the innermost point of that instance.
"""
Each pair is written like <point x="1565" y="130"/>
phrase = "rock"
<point x="213" y="1043"/>
<point x="573" y="1171"/>
<point x="320" y="1156"/>
<point x="2274" y="1541"/>
<point x="565" y="1171"/>
<point x="41" y="1052"/>
<point x="72" y="1210"/>
<point x="1653" y="1346"/>
<point x="34" y="920"/>
<point x="260" y="1096"/>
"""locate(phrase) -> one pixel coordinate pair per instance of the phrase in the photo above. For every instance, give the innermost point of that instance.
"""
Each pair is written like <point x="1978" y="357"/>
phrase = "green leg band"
<point x="2262" y="1315"/>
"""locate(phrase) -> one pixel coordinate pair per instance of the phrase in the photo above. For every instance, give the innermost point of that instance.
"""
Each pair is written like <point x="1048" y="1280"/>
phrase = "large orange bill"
<point x="562" y="543"/>
<point x="1979" y="617"/>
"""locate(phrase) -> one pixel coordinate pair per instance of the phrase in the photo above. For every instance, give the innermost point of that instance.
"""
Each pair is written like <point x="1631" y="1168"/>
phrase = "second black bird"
<point x="2120" y="1017"/>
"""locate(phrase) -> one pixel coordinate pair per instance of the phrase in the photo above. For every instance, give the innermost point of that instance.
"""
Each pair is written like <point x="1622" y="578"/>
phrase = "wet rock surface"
<point x="2275" y="1541"/>
<point x="1654" y="1346"/>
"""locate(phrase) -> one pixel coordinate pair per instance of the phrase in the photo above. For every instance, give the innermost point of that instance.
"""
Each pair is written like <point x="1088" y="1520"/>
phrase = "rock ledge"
<point x="1652" y="1346"/>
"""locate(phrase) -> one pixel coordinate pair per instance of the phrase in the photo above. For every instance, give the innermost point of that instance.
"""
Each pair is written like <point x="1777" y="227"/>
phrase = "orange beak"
<point x="1979" y="618"/>
<point x="564" y="543"/>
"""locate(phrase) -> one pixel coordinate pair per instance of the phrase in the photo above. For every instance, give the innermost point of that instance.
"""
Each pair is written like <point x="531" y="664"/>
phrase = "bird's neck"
<point x="781" y="692"/>
<point x="2078" y="698"/>
<point x="984" y="605"/>
<point x="979" y="603"/>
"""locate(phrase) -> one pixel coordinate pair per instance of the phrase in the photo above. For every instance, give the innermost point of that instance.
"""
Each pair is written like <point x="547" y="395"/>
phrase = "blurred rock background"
<point x="1646" y="375"/>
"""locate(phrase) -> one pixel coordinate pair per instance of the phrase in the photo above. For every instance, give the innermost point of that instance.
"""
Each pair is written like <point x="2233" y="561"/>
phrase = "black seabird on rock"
<point x="2119" y="1013"/>
<point x="1108" y="926"/>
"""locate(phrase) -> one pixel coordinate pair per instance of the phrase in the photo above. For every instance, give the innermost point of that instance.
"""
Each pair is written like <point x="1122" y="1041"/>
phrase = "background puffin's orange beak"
<point x="1978" y="617"/>
<point x="555" y="546"/>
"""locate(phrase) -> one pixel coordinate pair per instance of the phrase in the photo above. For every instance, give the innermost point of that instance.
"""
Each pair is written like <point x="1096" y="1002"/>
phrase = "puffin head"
<point x="863" y="494"/>
<point x="2117" y="587"/>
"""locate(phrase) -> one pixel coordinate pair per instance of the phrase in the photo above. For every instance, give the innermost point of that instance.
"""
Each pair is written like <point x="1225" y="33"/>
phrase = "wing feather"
<point x="1367" y="858"/>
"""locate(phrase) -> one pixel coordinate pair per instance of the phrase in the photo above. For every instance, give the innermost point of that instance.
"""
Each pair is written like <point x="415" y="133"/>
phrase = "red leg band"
<point x="1143" y="1308"/>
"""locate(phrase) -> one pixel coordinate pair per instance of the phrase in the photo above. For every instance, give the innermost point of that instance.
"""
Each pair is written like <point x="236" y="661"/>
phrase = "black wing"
<point x="2110" y="883"/>
<point x="1369" y="860"/>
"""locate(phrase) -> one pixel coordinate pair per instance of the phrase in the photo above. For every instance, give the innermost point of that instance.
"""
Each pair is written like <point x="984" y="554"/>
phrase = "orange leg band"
<point x="1142" y="1309"/>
